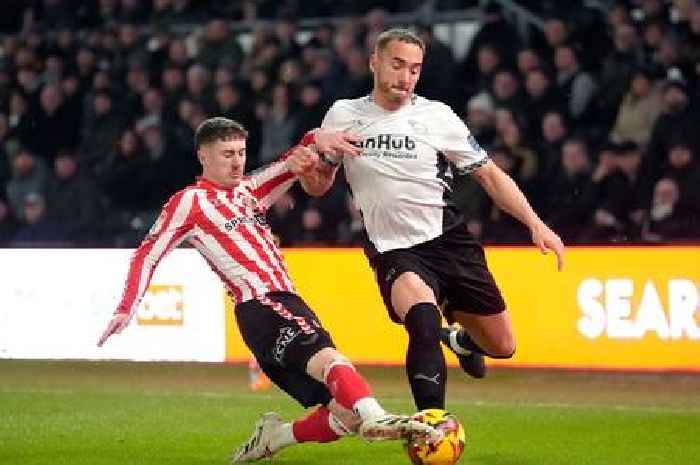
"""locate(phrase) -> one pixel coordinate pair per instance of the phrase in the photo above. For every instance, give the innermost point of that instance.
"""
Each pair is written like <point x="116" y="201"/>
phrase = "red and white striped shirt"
<point x="227" y="227"/>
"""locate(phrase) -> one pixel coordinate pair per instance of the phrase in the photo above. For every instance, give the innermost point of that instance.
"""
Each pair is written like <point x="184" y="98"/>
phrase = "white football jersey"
<point x="402" y="180"/>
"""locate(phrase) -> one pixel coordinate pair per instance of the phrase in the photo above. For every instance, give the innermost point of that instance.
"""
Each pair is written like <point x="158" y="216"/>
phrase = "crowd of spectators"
<point x="594" y="117"/>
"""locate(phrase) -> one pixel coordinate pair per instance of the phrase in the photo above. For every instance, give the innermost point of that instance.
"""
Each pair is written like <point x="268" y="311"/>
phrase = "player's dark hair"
<point x="218" y="128"/>
<point x="400" y="34"/>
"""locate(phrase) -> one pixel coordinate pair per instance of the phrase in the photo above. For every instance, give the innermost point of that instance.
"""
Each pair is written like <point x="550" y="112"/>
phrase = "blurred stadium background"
<point x="591" y="106"/>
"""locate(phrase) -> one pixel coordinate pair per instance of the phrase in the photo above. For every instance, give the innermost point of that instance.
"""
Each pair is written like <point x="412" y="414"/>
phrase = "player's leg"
<point x="272" y="334"/>
<point x="415" y="304"/>
<point x="298" y="355"/>
<point x="476" y="303"/>
<point x="490" y="335"/>
<point x="271" y="434"/>
<point x="409" y="293"/>
<point x="352" y="394"/>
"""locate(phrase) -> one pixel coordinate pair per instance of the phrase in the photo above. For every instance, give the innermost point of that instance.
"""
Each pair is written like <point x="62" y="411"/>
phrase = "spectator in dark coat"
<point x="678" y="122"/>
<point x="36" y="229"/>
<point x="622" y="196"/>
<point x="569" y="195"/>
<point x="73" y="198"/>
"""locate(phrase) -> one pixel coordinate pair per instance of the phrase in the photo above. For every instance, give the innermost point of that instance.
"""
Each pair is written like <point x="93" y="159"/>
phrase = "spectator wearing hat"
<point x="639" y="109"/>
<point x="678" y="121"/>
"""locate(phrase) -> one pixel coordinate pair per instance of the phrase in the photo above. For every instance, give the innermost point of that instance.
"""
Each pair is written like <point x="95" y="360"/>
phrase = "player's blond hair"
<point x="400" y="34"/>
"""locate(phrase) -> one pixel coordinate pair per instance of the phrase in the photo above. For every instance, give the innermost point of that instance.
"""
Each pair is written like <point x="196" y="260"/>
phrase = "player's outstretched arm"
<point x="170" y="229"/>
<point x="508" y="197"/>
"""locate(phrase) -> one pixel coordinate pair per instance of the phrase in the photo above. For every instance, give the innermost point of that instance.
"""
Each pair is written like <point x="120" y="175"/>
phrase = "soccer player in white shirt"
<point x="223" y="216"/>
<point x="418" y="245"/>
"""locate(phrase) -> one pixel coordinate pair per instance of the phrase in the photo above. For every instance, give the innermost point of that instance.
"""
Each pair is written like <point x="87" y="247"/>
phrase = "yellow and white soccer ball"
<point x="445" y="452"/>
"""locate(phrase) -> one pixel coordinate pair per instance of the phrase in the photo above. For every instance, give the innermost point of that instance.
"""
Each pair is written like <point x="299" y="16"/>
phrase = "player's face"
<point x="223" y="161"/>
<point x="396" y="71"/>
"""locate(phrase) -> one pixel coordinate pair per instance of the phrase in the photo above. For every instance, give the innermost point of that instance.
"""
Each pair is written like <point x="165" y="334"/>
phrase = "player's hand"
<point x="302" y="160"/>
<point x="545" y="239"/>
<point x="337" y="143"/>
<point x="115" y="326"/>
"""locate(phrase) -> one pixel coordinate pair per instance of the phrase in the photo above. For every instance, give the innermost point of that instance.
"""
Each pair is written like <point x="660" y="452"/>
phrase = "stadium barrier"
<point x="622" y="308"/>
<point x="55" y="303"/>
<point x="631" y="308"/>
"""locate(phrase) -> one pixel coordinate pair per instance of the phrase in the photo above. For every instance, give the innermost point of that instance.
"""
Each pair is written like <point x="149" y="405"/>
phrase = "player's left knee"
<point x="323" y="360"/>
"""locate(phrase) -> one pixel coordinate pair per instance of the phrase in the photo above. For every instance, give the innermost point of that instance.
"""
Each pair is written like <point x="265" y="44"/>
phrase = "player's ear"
<point x="372" y="59"/>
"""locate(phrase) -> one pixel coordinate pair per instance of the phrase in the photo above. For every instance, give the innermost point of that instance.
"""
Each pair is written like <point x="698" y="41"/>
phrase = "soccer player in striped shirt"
<point x="417" y="241"/>
<point x="223" y="216"/>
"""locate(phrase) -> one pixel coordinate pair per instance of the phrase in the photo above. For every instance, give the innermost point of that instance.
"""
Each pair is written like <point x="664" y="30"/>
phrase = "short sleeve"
<point x="332" y="119"/>
<point x="452" y="137"/>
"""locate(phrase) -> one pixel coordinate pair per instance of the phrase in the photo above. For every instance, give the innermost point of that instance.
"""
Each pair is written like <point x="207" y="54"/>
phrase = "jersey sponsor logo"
<point x="286" y="336"/>
<point x="389" y="146"/>
<point x="388" y="142"/>
<point x="162" y="305"/>
<point x="615" y="309"/>
<point x="258" y="218"/>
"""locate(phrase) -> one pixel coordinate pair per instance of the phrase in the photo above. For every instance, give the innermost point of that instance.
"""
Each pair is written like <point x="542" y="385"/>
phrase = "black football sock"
<point x="425" y="362"/>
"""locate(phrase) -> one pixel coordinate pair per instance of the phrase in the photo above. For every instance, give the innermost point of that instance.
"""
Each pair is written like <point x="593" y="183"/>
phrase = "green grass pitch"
<point x="93" y="413"/>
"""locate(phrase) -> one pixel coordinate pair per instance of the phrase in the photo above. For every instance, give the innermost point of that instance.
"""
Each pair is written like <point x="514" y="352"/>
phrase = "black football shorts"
<point x="284" y="333"/>
<point x="453" y="265"/>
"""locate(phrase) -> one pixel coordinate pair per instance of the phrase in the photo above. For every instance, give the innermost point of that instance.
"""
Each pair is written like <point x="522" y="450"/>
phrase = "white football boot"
<point x="390" y="426"/>
<point x="263" y="443"/>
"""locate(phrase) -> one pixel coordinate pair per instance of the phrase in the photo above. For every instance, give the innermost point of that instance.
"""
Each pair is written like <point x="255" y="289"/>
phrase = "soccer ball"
<point x="448" y="450"/>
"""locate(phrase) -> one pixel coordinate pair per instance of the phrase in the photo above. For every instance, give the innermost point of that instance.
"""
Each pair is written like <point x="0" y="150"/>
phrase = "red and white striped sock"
<point x="351" y="390"/>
